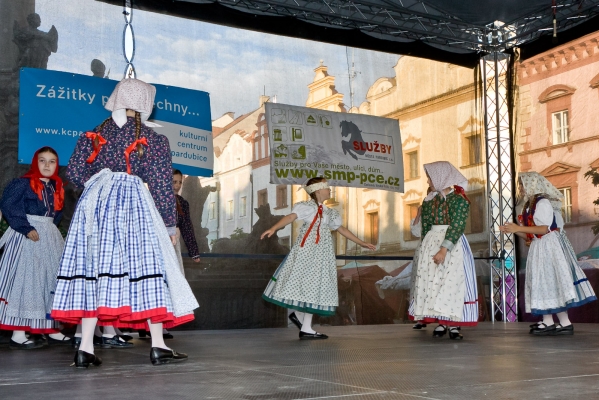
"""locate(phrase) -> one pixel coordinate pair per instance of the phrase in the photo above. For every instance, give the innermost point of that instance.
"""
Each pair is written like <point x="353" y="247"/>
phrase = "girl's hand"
<point x="33" y="235"/>
<point x="196" y="260"/>
<point x="368" y="245"/>
<point x="417" y="219"/>
<point x="439" y="258"/>
<point x="267" y="233"/>
<point x="509" y="227"/>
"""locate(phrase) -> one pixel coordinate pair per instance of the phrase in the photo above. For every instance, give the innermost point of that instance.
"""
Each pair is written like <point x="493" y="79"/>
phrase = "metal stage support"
<point x="500" y="187"/>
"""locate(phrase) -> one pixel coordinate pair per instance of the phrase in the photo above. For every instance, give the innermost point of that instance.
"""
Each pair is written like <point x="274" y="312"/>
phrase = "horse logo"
<point x="351" y="131"/>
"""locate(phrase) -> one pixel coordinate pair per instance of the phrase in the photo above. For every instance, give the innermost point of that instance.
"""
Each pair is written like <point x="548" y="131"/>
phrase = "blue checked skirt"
<point x="28" y="277"/>
<point x="119" y="264"/>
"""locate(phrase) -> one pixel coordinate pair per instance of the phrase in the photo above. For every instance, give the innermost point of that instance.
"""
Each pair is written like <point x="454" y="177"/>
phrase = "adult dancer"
<point x="444" y="282"/>
<point x="32" y="205"/>
<point x="306" y="281"/>
<point x="119" y="266"/>
<point x="554" y="280"/>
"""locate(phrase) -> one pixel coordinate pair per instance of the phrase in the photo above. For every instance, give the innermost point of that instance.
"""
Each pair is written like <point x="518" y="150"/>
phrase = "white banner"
<point x="347" y="149"/>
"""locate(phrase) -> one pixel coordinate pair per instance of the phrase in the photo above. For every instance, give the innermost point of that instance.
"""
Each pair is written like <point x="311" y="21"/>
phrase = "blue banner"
<point x="56" y="107"/>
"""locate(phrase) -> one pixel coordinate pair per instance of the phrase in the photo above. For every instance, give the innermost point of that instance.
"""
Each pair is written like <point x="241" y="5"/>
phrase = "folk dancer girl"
<point x="119" y="265"/>
<point x="32" y="206"/>
<point x="554" y="280"/>
<point x="306" y="281"/>
<point x="184" y="225"/>
<point x="444" y="280"/>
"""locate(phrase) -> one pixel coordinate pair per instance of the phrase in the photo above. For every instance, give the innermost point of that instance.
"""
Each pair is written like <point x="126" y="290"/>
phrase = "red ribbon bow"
<point x="460" y="190"/>
<point x="319" y="217"/>
<point x="132" y="147"/>
<point x="97" y="142"/>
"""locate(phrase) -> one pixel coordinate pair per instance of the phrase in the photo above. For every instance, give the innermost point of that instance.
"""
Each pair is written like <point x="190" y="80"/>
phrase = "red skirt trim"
<point x="443" y="322"/>
<point x="28" y="329"/>
<point x="122" y="317"/>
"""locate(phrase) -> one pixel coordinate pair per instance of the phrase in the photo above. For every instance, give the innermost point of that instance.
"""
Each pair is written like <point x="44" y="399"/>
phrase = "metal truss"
<point x="414" y="20"/>
<point x="500" y="188"/>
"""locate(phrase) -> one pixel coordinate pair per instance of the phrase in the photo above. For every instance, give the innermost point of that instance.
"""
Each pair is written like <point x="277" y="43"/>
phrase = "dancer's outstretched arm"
<point x="286" y="220"/>
<point x="347" y="233"/>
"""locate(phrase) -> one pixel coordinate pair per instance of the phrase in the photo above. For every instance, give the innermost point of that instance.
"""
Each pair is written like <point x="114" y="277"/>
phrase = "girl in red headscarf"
<point x="32" y="206"/>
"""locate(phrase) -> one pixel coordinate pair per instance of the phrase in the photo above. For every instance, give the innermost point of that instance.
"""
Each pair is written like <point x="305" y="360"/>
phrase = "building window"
<point x="230" y="209"/>
<point x="256" y="150"/>
<point x="262" y="197"/>
<point x="371" y="231"/>
<point x="212" y="210"/>
<point x="243" y="206"/>
<point x="559" y="122"/>
<point x="412" y="210"/>
<point x="472" y="150"/>
<point x="281" y="196"/>
<point x="476" y="218"/>
<point x="567" y="204"/>
<point x="412" y="165"/>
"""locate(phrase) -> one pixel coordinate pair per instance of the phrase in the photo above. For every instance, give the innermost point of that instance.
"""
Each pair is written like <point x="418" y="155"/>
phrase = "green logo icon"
<point x="281" y="151"/>
<point x="297" y="135"/>
<point x="311" y="120"/>
<point x="298" y="152"/>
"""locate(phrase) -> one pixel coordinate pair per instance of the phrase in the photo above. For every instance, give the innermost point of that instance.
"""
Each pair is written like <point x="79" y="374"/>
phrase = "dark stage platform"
<point x="500" y="361"/>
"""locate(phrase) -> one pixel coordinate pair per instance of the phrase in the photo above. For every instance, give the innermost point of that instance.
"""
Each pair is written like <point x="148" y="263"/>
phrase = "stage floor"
<point x="500" y="361"/>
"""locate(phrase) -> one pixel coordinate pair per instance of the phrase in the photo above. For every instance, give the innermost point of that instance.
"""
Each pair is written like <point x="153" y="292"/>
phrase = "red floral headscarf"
<point x="35" y="175"/>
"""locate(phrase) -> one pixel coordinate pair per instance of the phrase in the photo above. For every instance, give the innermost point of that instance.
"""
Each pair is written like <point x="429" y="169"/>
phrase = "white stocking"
<point x="548" y="319"/>
<point x="88" y="325"/>
<point x="307" y="324"/>
<point x="156" y="332"/>
<point x="299" y="315"/>
<point x="109" y="331"/>
<point x="20" y="338"/>
<point x="58" y="336"/>
<point x="563" y="319"/>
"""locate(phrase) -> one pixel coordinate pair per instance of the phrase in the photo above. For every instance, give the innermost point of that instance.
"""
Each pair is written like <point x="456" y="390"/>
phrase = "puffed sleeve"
<point x="13" y="206"/>
<point x="458" y="214"/>
<point x="334" y="220"/>
<point x="78" y="170"/>
<point x="416" y="229"/>
<point x="543" y="213"/>
<point x="304" y="211"/>
<point x="187" y="232"/>
<point x="159" y="176"/>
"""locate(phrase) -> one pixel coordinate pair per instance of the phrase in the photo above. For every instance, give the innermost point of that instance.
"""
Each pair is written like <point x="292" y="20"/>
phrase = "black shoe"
<point x="160" y="356"/>
<point x="84" y="359"/>
<point x="544" y="330"/>
<point x="97" y="341"/>
<point x="419" y="325"/>
<point x="532" y="326"/>
<point x="312" y="336"/>
<point x="126" y="338"/>
<point x="65" y="340"/>
<point x="143" y="334"/>
<point x="167" y="335"/>
<point x="454" y="334"/>
<point x="564" y="330"/>
<point x="114" y="343"/>
<point x="34" y="344"/>
<point x="438" y="334"/>
<point x="293" y="318"/>
<point x="75" y="342"/>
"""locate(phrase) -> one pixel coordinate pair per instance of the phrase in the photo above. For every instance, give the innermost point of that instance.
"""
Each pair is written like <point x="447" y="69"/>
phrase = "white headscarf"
<point x="535" y="183"/>
<point x="135" y="95"/>
<point x="443" y="175"/>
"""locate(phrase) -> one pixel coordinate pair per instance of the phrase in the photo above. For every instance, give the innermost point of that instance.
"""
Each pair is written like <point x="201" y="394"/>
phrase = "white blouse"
<point x="544" y="215"/>
<point x="306" y="210"/>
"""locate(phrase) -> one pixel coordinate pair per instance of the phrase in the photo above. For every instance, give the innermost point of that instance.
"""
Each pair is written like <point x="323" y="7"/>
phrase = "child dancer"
<point x="184" y="225"/>
<point x="444" y="280"/>
<point x="554" y="280"/>
<point x="306" y="281"/>
<point x="32" y="206"/>
<point x="119" y="266"/>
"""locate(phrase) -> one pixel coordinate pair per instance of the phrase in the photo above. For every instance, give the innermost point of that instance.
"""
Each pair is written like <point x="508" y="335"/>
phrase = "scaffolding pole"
<point x="500" y="188"/>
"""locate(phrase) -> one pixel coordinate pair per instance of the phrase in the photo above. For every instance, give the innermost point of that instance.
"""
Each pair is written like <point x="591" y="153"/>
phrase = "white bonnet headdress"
<point x="443" y="175"/>
<point x="132" y="94"/>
